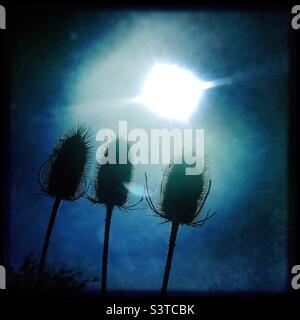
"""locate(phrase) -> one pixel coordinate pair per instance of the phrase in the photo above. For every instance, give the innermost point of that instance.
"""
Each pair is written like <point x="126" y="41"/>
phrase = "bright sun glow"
<point x="172" y="92"/>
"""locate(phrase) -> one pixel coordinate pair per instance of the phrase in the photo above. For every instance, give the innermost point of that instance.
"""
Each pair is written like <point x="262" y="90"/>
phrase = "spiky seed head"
<point x="63" y="174"/>
<point x="182" y="195"/>
<point x="111" y="179"/>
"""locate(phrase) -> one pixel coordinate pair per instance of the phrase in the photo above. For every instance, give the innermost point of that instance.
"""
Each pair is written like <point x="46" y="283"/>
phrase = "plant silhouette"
<point x="62" y="177"/>
<point x="182" y="198"/>
<point x="110" y="190"/>
<point x="55" y="281"/>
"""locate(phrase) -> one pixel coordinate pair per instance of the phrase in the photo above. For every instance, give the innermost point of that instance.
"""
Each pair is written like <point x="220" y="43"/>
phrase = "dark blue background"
<point x="72" y="66"/>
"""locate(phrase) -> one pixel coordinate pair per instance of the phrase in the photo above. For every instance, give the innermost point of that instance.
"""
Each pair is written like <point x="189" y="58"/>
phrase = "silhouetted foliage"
<point x="63" y="281"/>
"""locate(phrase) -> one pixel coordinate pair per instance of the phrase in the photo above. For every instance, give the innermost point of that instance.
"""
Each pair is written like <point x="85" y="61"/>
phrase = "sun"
<point x="172" y="92"/>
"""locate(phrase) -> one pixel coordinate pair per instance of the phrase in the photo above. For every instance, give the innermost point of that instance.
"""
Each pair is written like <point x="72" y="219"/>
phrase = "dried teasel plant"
<point x="63" y="177"/>
<point x="110" y="190"/>
<point x="182" y="198"/>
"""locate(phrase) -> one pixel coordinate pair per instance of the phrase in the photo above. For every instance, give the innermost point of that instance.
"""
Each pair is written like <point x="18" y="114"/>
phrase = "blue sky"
<point x="78" y="66"/>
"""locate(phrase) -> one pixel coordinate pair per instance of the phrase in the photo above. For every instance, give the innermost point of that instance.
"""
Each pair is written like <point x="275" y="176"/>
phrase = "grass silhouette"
<point x="54" y="281"/>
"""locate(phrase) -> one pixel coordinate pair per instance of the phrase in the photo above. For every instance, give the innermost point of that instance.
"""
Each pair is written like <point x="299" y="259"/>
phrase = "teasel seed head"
<point x="182" y="196"/>
<point x="63" y="175"/>
<point x="111" y="180"/>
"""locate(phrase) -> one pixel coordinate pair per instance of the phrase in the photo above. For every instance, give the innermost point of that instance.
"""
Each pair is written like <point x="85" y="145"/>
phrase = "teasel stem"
<point x="109" y="210"/>
<point x="51" y="223"/>
<point x="172" y="243"/>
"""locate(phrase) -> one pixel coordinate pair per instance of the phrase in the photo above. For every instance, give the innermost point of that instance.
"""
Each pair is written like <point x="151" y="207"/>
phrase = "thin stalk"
<point x="172" y="242"/>
<point x="51" y="223"/>
<point x="109" y="210"/>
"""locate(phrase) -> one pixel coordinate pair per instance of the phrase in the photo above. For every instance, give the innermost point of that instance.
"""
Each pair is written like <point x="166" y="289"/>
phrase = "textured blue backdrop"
<point x="78" y="67"/>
